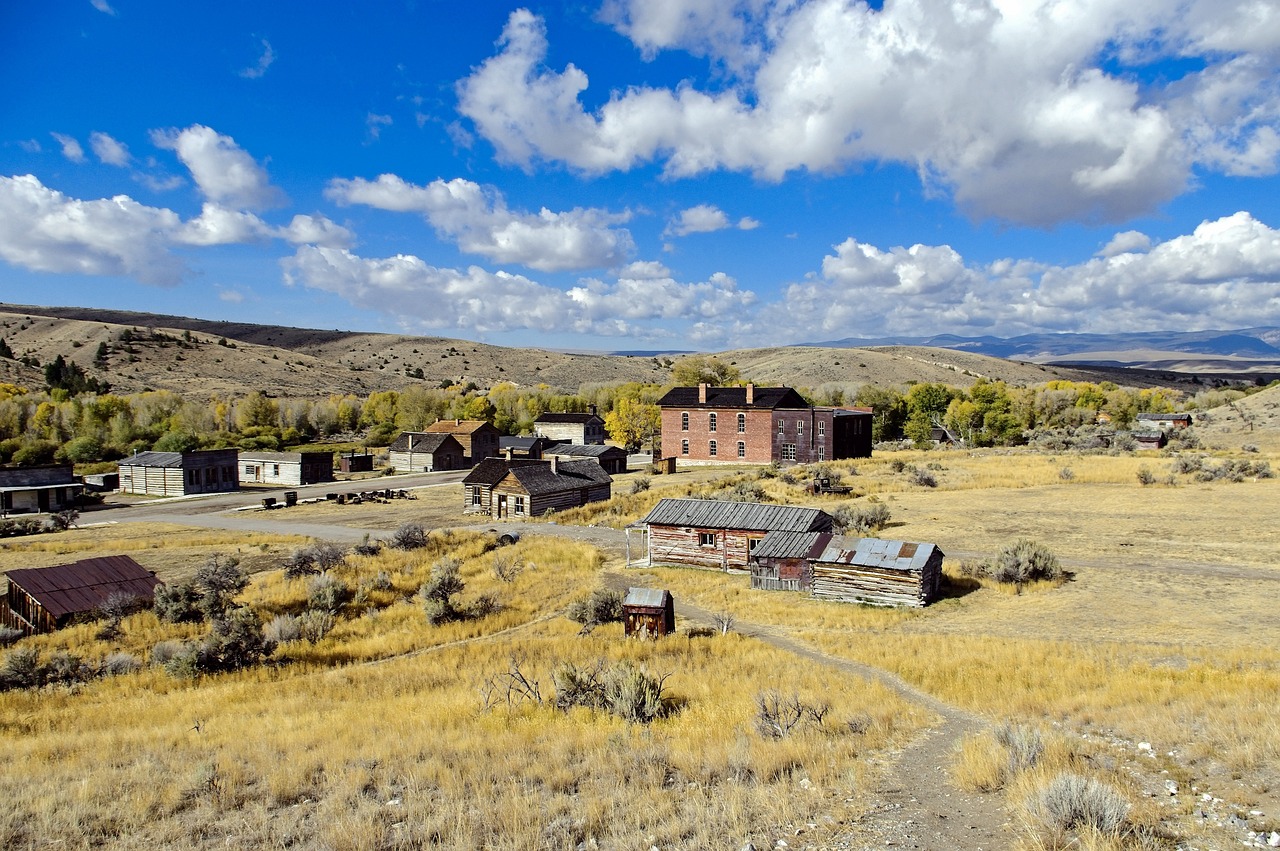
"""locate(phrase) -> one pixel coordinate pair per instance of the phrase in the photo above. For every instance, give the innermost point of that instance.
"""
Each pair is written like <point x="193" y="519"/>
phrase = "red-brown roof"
<point x="84" y="586"/>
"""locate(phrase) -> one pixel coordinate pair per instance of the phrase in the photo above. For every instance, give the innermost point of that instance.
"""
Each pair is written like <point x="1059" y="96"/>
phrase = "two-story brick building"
<point x="758" y="425"/>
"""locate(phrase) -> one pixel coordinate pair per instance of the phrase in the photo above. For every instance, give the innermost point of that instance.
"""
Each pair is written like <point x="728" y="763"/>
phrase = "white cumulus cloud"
<point x="1029" y="112"/>
<point x="221" y="169"/>
<point x="478" y="220"/>
<point x="108" y="150"/>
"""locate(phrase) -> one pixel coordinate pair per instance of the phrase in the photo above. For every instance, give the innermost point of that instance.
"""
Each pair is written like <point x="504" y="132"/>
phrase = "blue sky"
<point x="647" y="174"/>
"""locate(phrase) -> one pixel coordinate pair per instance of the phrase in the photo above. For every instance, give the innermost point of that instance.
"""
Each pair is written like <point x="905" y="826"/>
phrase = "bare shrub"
<point x="626" y="691"/>
<point x="601" y="607"/>
<point x="437" y="592"/>
<point x="577" y="686"/>
<point x="410" y="536"/>
<point x="8" y="635"/>
<point x="63" y="520"/>
<point x="506" y="567"/>
<point x="1066" y="474"/>
<point x="1071" y="802"/>
<point x="1145" y="476"/>
<point x="368" y="547"/>
<point x="723" y="621"/>
<point x="314" y="558"/>
<point x="778" y="716"/>
<point x="117" y="664"/>
<point x="860" y="519"/>
<point x="640" y="484"/>
<point x="64" y="667"/>
<point x="1024" y="561"/>
<point x="511" y="687"/>
<point x="283" y="628"/>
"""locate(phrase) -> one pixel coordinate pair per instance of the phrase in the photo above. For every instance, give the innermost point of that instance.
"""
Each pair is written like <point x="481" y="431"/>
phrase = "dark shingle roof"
<point x="418" y="441"/>
<point x="567" y="418"/>
<point x="84" y="586"/>
<point x="458" y="426"/>
<point x="875" y="552"/>
<point x="733" y="397"/>
<point x="31" y="477"/>
<point x="538" y="478"/>
<point x="751" y="516"/>
<point x="791" y="545"/>
<point x="590" y="451"/>
<point x="490" y="471"/>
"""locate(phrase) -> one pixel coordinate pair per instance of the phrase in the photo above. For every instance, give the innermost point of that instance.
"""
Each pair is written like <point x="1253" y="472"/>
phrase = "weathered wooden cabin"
<point x="180" y="473"/>
<point x="648" y="611"/>
<point x="1150" y="439"/>
<point x="524" y="448"/>
<point x="714" y="533"/>
<point x="50" y="487"/>
<point x="356" y="462"/>
<point x="781" y="562"/>
<point x="1164" y="422"/>
<point x="285" y="468"/>
<point x="479" y="438"/>
<point x="612" y="458"/>
<point x="527" y="488"/>
<point x="47" y="598"/>
<point x="571" y="428"/>
<point x="879" y="572"/>
<point x="421" y="452"/>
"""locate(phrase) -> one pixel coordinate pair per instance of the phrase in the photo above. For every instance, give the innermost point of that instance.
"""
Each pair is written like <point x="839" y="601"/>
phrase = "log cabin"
<point x="526" y="488"/>
<point x="720" y="534"/>
<point x="47" y="598"/>
<point x="877" y="572"/>
<point x="781" y="562"/>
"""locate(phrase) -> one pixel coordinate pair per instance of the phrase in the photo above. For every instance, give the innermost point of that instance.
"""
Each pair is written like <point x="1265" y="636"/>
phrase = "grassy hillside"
<point x="185" y="355"/>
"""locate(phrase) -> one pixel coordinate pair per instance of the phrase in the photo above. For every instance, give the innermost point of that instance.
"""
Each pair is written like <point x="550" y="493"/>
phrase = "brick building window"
<point x="788" y="452"/>
<point x="742" y="449"/>
<point x="742" y="423"/>
<point x="799" y="428"/>
<point x="822" y="453"/>
<point x="822" y="428"/>
<point x="684" y="421"/>
<point x="684" y="447"/>
<point x="711" y="422"/>
<point x="711" y="449"/>
<point x="782" y="427"/>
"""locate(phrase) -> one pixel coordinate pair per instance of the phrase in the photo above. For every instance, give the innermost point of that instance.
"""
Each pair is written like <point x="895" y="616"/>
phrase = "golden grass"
<point x="400" y="752"/>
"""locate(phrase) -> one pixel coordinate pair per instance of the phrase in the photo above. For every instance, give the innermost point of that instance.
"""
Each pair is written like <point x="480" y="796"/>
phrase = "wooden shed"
<point x="47" y="598"/>
<point x="422" y="452"/>
<point x="648" y="611"/>
<point x="285" y="468"/>
<point x="355" y="462"/>
<point x="180" y="473"/>
<point x="781" y="562"/>
<point x="51" y="487"/>
<point x="526" y="488"/>
<point x="721" y="534"/>
<point x="879" y="572"/>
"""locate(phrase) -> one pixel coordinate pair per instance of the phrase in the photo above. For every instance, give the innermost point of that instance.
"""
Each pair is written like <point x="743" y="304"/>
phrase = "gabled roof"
<point x="733" y="397"/>
<point x="85" y="585"/>
<point x="286" y="457"/>
<point x="791" y="545"/>
<point x="33" y="477"/>
<point x="748" y="516"/>
<point x="490" y="471"/>
<point x="420" y="441"/>
<point x="1164" y="417"/>
<point x="178" y="459"/>
<point x="524" y="444"/>
<point x="598" y="450"/>
<point x="458" y="426"/>
<point x="567" y="418"/>
<point x="649" y="598"/>
<point x="538" y="478"/>
<point x="875" y="552"/>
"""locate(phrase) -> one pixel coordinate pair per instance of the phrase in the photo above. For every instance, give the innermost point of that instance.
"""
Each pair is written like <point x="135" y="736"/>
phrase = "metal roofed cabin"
<point x="648" y="611"/>
<point x="781" y="562"/>
<point x="612" y="458"/>
<point x="719" y="534"/>
<point x="878" y="572"/>
<point x="51" y="487"/>
<point x="180" y="473"/>
<point x="47" y="598"/>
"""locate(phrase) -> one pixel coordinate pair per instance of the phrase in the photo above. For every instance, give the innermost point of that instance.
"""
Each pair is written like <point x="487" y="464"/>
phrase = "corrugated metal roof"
<point x="588" y="450"/>
<point x="85" y="585"/>
<point x="876" y="552"/>
<point x="750" y="516"/>
<point x="790" y="544"/>
<point x="647" y="597"/>
<point x="153" y="459"/>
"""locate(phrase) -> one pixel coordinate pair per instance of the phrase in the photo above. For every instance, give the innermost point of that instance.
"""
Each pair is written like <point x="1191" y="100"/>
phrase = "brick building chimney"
<point x="702" y="393"/>
<point x="751" y="394"/>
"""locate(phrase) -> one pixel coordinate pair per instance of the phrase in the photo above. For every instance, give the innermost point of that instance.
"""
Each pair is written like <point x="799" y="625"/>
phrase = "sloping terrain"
<point x="198" y="358"/>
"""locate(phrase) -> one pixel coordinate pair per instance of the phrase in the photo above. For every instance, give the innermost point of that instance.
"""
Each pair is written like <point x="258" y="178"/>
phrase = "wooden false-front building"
<point x="47" y="598"/>
<point x="782" y="561"/>
<point x="180" y="473"/>
<point x="649" y="612"/>
<point x="51" y="487"/>
<point x="526" y="488"/>
<point x="289" y="469"/>
<point x="719" y="534"/>
<point x="422" y="452"/>
<point x="878" y="572"/>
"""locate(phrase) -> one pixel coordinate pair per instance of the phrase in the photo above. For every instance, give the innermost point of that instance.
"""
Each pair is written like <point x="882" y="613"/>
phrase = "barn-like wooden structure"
<point x="423" y="452"/>
<point x="180" y="473"/>
<point x="527" y="488"/>
<point x="717" y="533"/>
<point x="648" y="611"/>
<point x="47" y="598"/>
<point x="876" y="571"/>
<point x="781" y="562"/>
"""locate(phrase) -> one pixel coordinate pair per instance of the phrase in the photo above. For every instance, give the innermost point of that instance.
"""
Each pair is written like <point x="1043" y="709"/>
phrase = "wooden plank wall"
<point x="878" y="586"/>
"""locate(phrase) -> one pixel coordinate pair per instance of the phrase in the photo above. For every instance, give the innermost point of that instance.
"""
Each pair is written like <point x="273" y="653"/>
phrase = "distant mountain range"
<point x="1253" y="344"/>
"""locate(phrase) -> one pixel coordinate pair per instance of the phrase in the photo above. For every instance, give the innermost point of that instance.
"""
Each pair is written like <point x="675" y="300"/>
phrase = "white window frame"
<point x="712" y="448"/>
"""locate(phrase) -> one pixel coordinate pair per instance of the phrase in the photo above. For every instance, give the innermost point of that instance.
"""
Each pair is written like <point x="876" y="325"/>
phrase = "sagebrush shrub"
<point x="1072" y="801"/>
<point x="437" y="592"/>
<point x="177" y="603"/>
<point x="1025" y="561"/>
<point x="601" y="607"/>
<point x="282" y="628"/>
<point x="116" y="664"/>
<point x="410" y="536"/>
<point x="315" y="625"/>
<point x="327" y="593"/>
<point x="860" y="520"/>
<point x="8" y="635"/>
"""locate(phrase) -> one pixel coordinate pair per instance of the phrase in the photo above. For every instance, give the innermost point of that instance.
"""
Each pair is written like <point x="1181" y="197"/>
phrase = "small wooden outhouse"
<point x="649" y="611"/>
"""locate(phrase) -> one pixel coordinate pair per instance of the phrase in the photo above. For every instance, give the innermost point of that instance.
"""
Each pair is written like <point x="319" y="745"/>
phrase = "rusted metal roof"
<point x="84" y="586"/>
<point x="875" y="552"/>
<point x="791" y="545"/>
<point x="652" y="598"/>
<point x="748" y="516"/>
